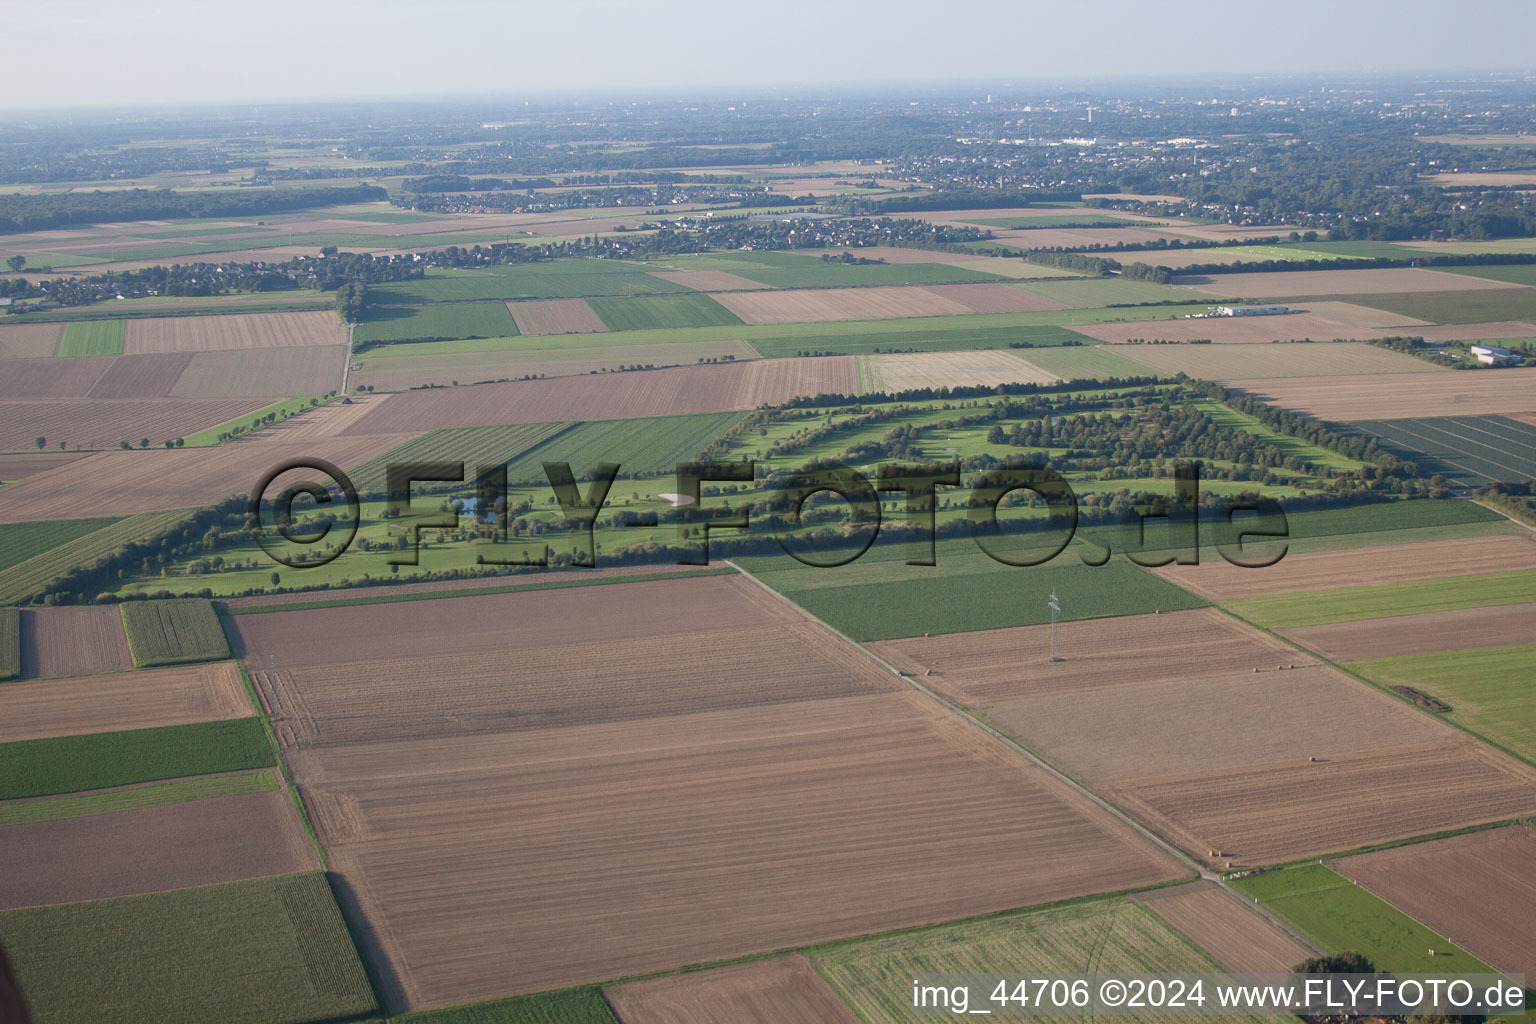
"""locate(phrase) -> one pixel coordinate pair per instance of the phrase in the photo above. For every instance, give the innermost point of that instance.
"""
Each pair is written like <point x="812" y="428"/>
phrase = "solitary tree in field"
<point x="41" y="442"/>
<point x="16" y="263"/>
<point x="143" y="442"/>
<point x="276" y="579"/>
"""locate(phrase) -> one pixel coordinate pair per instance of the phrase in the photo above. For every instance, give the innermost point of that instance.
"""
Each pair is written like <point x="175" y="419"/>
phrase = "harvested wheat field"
<point x="171" y="846"/>
<point x="1235" y="330"/>
<point x="307" y="370"/>
<point x="51" y="378"/>
<point x="1279" y="284"/>
<point x="72" y="641"/>
<point x="1452" y="630"/>
<point x="1399" y="396"/>
<point x="1227" y="737"/>
<point x="123" y="483"/>
<point x="30" y="341"/>
<point x="895" y="373"/>
<point x="707" y="775"/>
<point x="1224" y="362"/>
<point x="1352" y="314"/>
<point x="709" y="280"/>
<point x="992" y="298"/>
<point x="776" y="991"/>
<point x="233" y="331"/>
<point x="683" y="389"/>
<point x="145" y="376"/>
<point x="112" y="702"/>
<point x="819" y="305"/>
<point x="1477" y="890"/>
<point x="1235" y="935"/>
<point x="1385" y="563"/>
<point x="556" y="316"/>
<point x="106" y="423"/>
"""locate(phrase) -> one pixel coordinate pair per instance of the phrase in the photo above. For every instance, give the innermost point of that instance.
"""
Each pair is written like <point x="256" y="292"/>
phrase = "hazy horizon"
<point x="287" y="52"/>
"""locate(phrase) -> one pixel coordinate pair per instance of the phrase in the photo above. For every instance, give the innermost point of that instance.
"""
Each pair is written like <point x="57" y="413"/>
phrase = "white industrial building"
<point x="1492" y="355"/>
<point x="1251" y="310"/>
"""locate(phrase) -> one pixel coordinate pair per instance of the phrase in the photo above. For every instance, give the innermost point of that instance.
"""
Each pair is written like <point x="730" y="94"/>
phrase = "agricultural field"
<point x="1430" y="394"/>
<point x="186" y="956"/>
<point x="173" y="632"/>
<point x="1336" y="914"/>
<point x="1083" y="362"/>
<point x="560" y="279"/>
<point x="95" y="338"/>
<point x="238" y="331"/>
<point x="1472" y="888"/>
<point x="72" y="642"/>
<point x="661" y="312"/>
<point x="1234" y="935"/>
<point x="1460" y="305"/>
<point x="896" y="373"/>
<point x="473" y="446"/>
<point x="72" y="764"/>
<point x="24" y="578"/>
<point x="41" y="708"/>
<point x="1373" y="601"/>
<point x="1094" y="293"/>
<point x="1231" y="743"/>
<point x="1424" y="633"/>
<point x="1226" y="362"/>
<point x="131" y="798"/>
<point x="820" y="305"/>
<point x="708" y="280"/>
<point x="22" y="541"/>
<point x="1487" y="689"/>
<point x="523" y="893"/>
<point x="1468" y="451"/>
<point x="20" y="464"/>
<point x="808" y="270"/>
<point x="391" y="370"/>
<point x="276" y="372"/>
<point x="30" y="341"/>
<point x="219" y="839"/>
<point x="439" y="321"/>
<point x="10" y="644"/>
<point x="584" y="1005"/>
<point x="555" y="316"/>
<point x="1290" y="284"/>
<point x="785" y="988"/>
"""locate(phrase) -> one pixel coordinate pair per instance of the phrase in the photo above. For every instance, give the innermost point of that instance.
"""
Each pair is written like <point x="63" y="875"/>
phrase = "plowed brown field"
<point x="1419" y="634"/>
<point x="1387" y="563"/>
<point x="828" y="304"/>
<point x="1400" y="396"/>
<point x="1244" y="330"/>
<point x="1288" y="283"/>
<point x="144" y="376"/>
<point x="122" y="483"/>
<point x="72" y="641"/>
<point x="1226" y="738"/>
<point x="171" y="846"/>
<point x="1224" y="362"/>
<point x="556" y="316"/>
<point x="14" y="467"/>
<point x="682" y="389"/>
<point x="677" y="771"/>
<point x="895" y="373"/>
<point x="106" y="423"/>
<point x="30" y="341"/>
<point x="1236" y="936"/>
<point x="123" y="700"/>
<point x="398" y="373"/>
<point x="52" y="378"/>
<point x="308" y="370"/>
<point x="778" y="991"/>
<point x="236" y="331"/>
<point x="1477" y="890"/>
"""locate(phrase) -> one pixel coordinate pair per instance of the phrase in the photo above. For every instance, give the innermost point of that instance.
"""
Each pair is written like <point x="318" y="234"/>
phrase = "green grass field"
<point x="73" y="764"/>
<point x="1376" y="600"/>
<point x="1095" y="293"/>
<point x="954" y="336"/>
<point x="880" y="597"/>
<point x="1110" y="936"/>
<point x="638" y="446"/>
<point x="24" y="579"/>
<point x="262" y="951"/>
<point x="473" y="446"/>
<point x="558" y="279"/>
<point x="1289" y="445"/>
<point x="21" y="541"/>
<point x="1488" y="688"/>
<point x="662" y="312"/>
<point x="173" y="632"/>
<point x="282" y="410"/>
<point x="1455" y="307"/>
<point x="109" y="801"/>
<point x="93" y="338"/>
<point x="1518" y="273"/>
<point x="1339" y="915"/>
<point x="1081" y="362"/>
<point x="572" y="1006"/>
<point x="445" y="321"/>
<point x="10" y="644"/>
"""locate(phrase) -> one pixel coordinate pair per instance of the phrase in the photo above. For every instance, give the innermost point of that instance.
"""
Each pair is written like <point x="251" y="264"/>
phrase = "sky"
<point x="71" y="53"/>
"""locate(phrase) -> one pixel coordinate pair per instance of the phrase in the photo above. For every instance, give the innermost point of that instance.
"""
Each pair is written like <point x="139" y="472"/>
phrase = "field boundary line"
<point x="1179" y="855"/>
<point x="1422" y="924"/>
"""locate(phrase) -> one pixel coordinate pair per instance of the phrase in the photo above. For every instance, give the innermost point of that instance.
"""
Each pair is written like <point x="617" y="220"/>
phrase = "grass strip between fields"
<point x="74" y="764"/>
<point x="1340" y="915"/>
<point x="248" y="952"/>
<point x="131" y="798"/>
<point x="433" y="595"/>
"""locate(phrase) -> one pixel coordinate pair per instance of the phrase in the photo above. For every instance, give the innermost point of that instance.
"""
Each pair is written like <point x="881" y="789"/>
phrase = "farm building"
<point x="1251" y="310"/>
<point x="1492" y="355"/>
